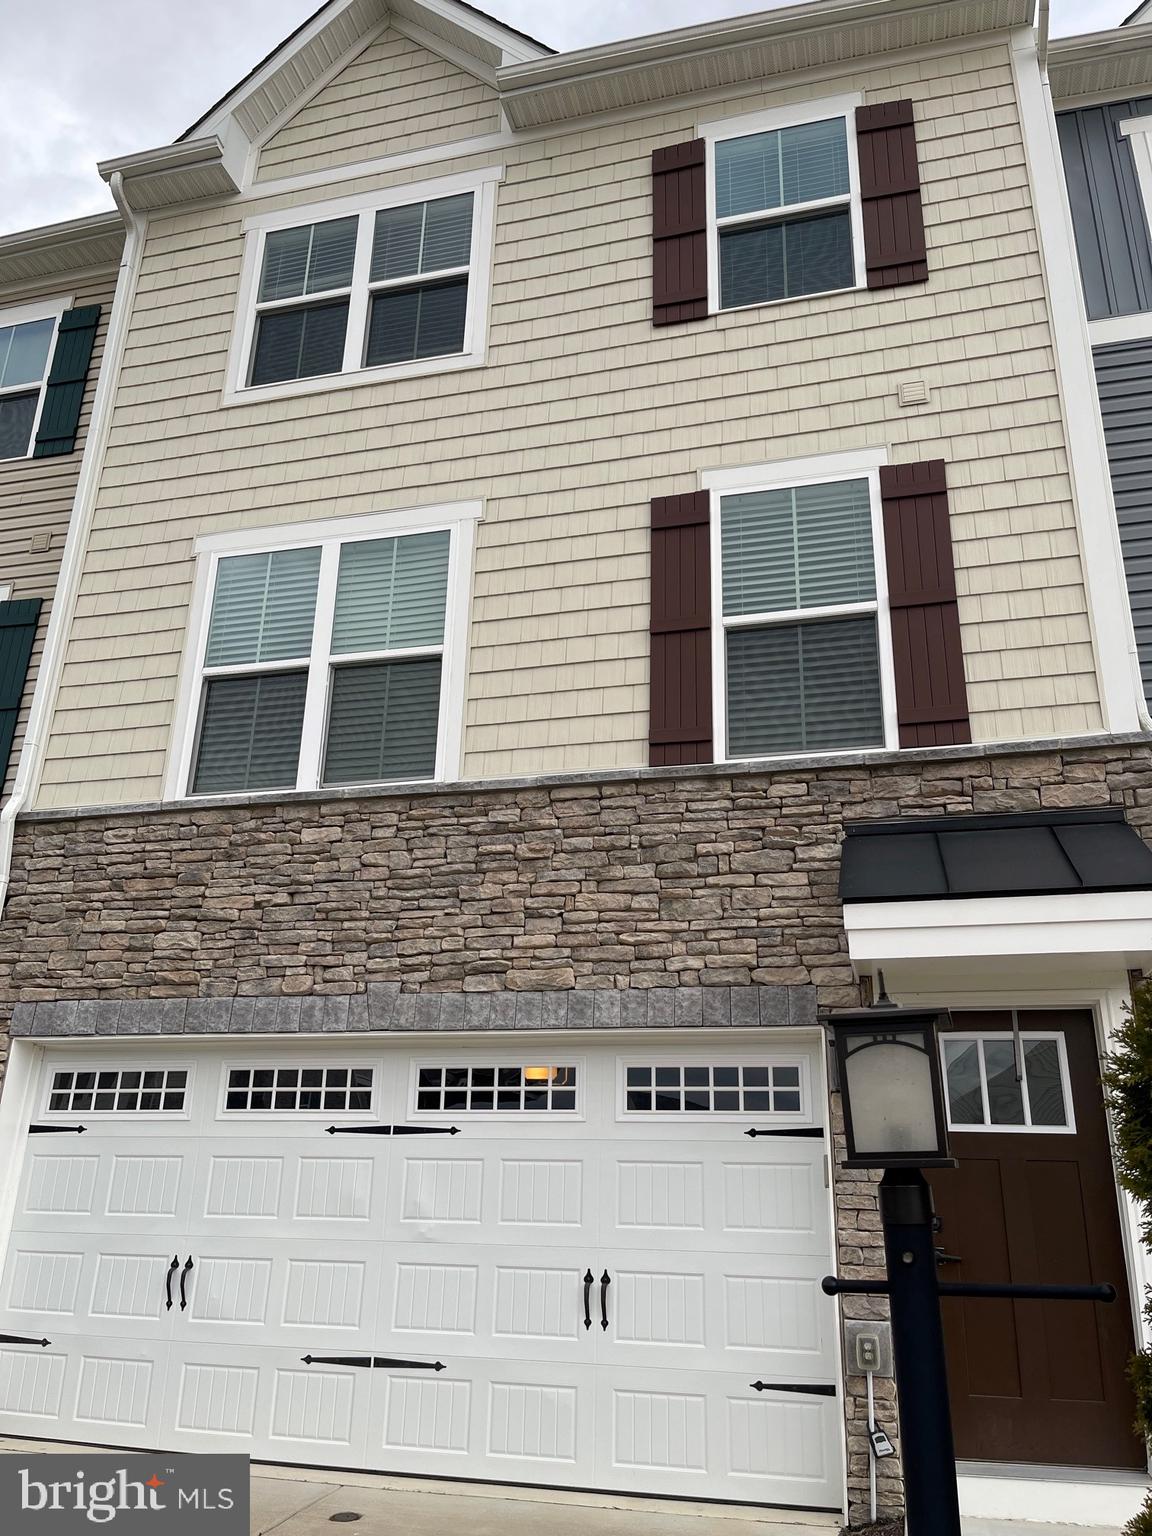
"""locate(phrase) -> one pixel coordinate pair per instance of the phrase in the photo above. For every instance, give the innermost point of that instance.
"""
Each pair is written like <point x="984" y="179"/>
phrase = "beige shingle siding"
<point x="36" y="494"/>
<point x="583" y="413"/>
<point x="395" y="97"/>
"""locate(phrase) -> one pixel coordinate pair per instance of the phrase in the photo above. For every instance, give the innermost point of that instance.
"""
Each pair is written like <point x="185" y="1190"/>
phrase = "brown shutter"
<point x="680" y="721"/>
<point x="679" y="234"/>
<point x="894" y="248"/>
<point x="931" y="699"/>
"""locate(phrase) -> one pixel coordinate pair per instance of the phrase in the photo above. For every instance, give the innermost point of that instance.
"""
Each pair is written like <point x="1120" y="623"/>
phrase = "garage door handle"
<point x="947" y="1258"/>
<point x="184" y="1281"/>
<point x="172" y="1268"/>
<point x="589" y="1281"/>
<point x="792" y="1386"/>
<point x="605" y="1282"/>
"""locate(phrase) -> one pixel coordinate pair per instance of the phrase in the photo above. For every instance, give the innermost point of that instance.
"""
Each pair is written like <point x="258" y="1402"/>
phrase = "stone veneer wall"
<point x="708" y="879"/>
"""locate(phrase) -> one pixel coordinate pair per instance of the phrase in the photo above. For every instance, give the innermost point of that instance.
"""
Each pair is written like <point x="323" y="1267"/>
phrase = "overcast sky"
<point x="84" y="80"/>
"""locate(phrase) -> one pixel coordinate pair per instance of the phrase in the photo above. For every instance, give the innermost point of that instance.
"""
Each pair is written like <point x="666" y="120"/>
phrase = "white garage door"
<point x="560" y="1263"/>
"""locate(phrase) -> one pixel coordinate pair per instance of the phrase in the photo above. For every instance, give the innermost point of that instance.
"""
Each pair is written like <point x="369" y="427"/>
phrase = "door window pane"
<point x="962" y="1065"/>
<point x="1005" y="1092"/>
<point x="250" y="733"/>
<point x="1045" y="1082"/>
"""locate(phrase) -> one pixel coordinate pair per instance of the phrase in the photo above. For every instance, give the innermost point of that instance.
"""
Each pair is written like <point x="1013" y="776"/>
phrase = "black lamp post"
<point x="894" y="1118"/>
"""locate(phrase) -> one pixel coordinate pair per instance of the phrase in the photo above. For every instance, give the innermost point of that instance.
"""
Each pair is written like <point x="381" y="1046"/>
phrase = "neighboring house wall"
<point x="1124" y="379"/>
<point x="396" y="96"/>
<point x="1107" y="208"/>
<point x="36" y="494"/>
<point x="582" y="414"/>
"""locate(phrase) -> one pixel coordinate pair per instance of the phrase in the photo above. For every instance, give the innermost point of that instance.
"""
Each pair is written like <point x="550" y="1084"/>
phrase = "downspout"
<point x="79" y="526"/>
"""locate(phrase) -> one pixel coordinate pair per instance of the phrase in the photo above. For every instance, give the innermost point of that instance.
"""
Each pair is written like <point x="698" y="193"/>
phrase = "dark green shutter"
<point x="64" y="394"/>
<point x="17" y="632"/>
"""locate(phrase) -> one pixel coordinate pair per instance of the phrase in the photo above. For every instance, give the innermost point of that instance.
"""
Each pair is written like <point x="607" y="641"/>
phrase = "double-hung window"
<point x="366" y="288"/>
<point x="802" y="651"/>
<point x="328" y="656"/>
<point x="785" y="206"/>
<point x="27" y="338"/>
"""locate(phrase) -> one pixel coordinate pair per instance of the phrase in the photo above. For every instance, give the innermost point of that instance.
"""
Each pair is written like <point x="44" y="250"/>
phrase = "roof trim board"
<point x="1110" y="63"/>
<point x="55" y="250"/>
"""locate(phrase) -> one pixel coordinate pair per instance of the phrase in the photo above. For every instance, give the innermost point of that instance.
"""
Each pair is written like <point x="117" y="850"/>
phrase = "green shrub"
<point x="1141" y="1522"/>
<point x="1128" y="1088"/>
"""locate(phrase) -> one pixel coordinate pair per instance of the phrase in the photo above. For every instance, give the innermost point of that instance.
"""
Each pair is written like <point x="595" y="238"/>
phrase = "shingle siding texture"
<point x="36" y="495"/>
<point x="396" y="96"/>
<point x="583" y="414"/>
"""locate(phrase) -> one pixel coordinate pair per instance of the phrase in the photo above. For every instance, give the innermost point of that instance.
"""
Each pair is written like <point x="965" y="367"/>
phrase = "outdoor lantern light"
<point x="889" y="1068"/>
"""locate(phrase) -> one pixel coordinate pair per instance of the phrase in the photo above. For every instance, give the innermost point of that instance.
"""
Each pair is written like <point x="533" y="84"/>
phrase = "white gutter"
<point x="79" y="525"/>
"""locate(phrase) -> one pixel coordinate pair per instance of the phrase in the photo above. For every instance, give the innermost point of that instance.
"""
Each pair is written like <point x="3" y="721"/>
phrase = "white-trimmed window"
<point x="360" y="289"/>
<point x="801" y="643"/>
<point x="27" y="341"/>
<point x="784" y="216"/>
<point x="996" y="1083"/>
<point x="328" y="654"/>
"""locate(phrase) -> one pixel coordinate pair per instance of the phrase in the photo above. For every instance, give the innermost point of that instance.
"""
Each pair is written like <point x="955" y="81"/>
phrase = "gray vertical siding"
<point x="1124" y="379"/>
<point x="1108" y="216"/>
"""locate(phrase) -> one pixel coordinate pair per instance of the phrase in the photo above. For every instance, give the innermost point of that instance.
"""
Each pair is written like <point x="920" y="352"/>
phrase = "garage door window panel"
<point x="777" y="1088"/>
<point x="118" y="1091"/>
<point x="497" y="1088"/>
<point x="301" y="1089"/>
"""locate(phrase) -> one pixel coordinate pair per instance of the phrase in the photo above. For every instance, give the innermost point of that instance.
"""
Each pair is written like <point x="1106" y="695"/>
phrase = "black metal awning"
<point x="1035" y="853"/>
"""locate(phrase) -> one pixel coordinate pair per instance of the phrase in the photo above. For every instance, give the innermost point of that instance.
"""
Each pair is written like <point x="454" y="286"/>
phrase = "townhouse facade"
<point x="589" y="559"/>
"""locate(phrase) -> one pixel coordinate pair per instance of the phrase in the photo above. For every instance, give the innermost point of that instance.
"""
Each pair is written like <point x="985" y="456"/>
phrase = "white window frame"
<point x="784" y="475"/>
<point x="482" y="184"/>
<point x="547" y="1055"/>
<point x="765" y="122"/>
<point x="23" y="314"/>
<point x="54" y="1064"/>
<point x="726" y="1056"/>
<point x="459" y="519"/>
<point x="973" y="1036"/>
<point x="1138" y="326"/>
<point x="271" y="1063"/>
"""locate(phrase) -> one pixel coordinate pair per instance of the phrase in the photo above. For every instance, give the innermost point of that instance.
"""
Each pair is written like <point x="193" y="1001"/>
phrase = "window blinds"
<point x="311" y="259"/>
<point x="801" y="164"/>
<point x="382" y="724"/>
<point x="423" y="237"/>
<point x="263" y="608"/>
<point x="804" y="687"/>
<point x="250" y="730"/>
<point x="390" y="593"/>
<point x="807" y="546"/>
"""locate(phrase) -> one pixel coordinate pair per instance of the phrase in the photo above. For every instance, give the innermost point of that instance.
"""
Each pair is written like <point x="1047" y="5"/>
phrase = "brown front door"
<point x="1033" y="1201"/>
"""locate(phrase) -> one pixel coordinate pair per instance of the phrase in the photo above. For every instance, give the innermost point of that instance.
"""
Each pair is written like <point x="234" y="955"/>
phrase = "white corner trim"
<point x="47" y="684"/>
<point x="1115" y="923"/>
<point x="1110" y="616"/>
<point x="792" y="471"/>
<point x="481" y="183"/>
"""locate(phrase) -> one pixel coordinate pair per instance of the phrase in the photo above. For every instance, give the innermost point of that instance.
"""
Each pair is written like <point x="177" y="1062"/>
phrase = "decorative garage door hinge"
<point x="791" y="1130"/>
<point x="18" y="1338"/>
<point x="393" y="1130"/>
<point x="792" y="1386"/>
<point x="55" y="1130"/>
<point x="374" y="1362"/>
